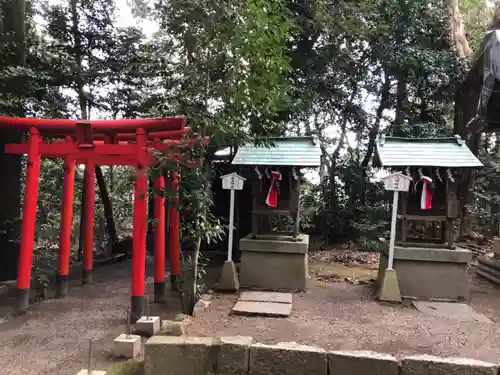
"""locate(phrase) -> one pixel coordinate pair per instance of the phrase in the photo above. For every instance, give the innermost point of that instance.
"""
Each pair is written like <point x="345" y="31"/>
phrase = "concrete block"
<point x="172" y="328"/>
<point x="254" y="296"/>
<point x="420" y="272"/>
<point x="275" y="244"/>
<point x="233" y="355"/>
<point x="389" y="287"/>
<point x="181" y="318"/>
<point x="200" y="306"/>
<point x="287" y="358"/>
<point x="206" y="297"/>
<point x="148" y="325"/>
<point x="274" y="263"/>
<point x="431" y="365"/>
<point x="262" y="308"/>
<point x="94" y="372"/>
<point x="229" y="281"/>
<point x="185" y="355"/>
<point x="362" y="362"/>
<point x="127" y="346"/>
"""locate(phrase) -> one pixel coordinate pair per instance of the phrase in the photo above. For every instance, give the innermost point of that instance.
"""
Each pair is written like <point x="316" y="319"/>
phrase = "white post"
<point x="230" y="239"/>
<point x="393" y="228"/>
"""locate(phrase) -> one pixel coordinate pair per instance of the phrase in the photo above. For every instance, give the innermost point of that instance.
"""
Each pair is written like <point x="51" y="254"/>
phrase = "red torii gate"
<point x="103" y="142"/>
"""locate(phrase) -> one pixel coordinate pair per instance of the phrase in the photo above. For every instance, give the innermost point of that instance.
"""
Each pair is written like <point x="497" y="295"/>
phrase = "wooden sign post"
<point x="229" y="278"/>
<point x="389" y="288"/>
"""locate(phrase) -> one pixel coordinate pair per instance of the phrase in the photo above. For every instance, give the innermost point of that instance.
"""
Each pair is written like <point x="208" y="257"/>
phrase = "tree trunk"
<point x="384" y="102"/>
<point x="400" y="105"/>
<point x="12" y="22"/>
<point x="457" y="29"/>
<point x="108" y="207"/>
<point x="459" y="39"/>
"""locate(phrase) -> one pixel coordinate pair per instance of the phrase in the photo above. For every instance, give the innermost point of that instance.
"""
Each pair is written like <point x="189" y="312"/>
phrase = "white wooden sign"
<point x="232" y="181"/>
<point x="397" y="182"/>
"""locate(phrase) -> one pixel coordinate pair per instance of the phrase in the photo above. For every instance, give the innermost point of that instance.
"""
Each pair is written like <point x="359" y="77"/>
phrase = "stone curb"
<point x="239" y="355"/>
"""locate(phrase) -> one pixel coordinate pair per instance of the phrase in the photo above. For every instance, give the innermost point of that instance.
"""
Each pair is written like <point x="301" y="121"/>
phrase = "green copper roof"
<point x="287" y="151"/>
<point x="424" y="152"/>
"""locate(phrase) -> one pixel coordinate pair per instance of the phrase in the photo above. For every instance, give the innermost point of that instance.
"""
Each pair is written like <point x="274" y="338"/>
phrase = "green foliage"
<point x="344" y="71"/>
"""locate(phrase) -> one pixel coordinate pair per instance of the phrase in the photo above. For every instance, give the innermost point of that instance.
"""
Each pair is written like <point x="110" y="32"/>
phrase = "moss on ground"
<point x="127" y="368"/>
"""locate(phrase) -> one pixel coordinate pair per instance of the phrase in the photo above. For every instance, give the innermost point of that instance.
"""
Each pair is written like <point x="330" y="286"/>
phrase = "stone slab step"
<point x="262" y="308"/>
<point x="276" y="297"/>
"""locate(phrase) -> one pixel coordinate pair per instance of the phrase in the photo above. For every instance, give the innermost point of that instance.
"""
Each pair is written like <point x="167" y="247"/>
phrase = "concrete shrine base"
<point x="274" y="262"/>
<point x="429" y="273"/>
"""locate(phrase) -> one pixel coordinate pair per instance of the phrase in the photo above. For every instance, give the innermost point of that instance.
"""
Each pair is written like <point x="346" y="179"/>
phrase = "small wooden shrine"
<point x="271" y="259"/>
<point x="275" y="192"/>
<point x="274" y="172"/>
<point x="428" y="268"/>
<point x="433" y="164"/>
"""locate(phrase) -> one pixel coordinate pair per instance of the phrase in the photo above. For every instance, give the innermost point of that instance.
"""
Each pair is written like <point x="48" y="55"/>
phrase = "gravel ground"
<point x="53" y="338"/>
<point x="340" y="316"/>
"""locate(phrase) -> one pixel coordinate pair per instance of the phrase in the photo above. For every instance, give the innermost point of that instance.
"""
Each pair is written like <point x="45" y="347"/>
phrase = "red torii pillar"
<point x="88" y="222"/>
<point x="29" y="221"/>
<point x="175" y="232"/>
<point x="140" y="228"/>
<point x="66" y="221"/>
<point x="159" y="239"/>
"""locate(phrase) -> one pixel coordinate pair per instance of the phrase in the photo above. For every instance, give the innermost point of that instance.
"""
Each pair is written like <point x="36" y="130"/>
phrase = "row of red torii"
<point x="130" y="142"/>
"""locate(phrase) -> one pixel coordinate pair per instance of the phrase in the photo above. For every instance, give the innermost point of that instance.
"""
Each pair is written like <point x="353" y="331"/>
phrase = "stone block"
<point x="181" y="318"/>
<point x="262" y="308"/>
<point x="255" y="296"/>
<point x="94" y="372"/>
<point x="389" y="287"/>
<point x="420" y="272"/>
<point x="233" y="355"/>
<point x="275" y="244"/>
<point x="229" y="281"/>
<point x="127" y="346"/>
<point x="201" y="306"/>
<point x="362" y="362"/>
<point x="431" y="365"/>
<point x="147" y="325"/>
<point x="287" y="358"/>
<point x="172" y="328"/>
<point x="206" y="297"/>
<point x="185" y="355"/>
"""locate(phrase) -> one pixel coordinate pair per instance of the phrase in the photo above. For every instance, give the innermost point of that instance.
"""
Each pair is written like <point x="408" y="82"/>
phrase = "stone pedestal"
<point x="229" y="281"/>
<point x="389" y="287"/>
<point x="127" y="346"/>
<point x="148" y="325"/>
<point x="274" y="263"/>
<point x="429" y="273"/>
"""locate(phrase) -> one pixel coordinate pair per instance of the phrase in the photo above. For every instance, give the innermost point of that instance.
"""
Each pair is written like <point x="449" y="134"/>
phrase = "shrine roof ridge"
<point x="446" y="152"/>
<point x="301" y="151"/>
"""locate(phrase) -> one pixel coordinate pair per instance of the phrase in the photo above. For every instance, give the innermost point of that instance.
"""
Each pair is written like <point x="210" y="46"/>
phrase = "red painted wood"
<point x="68" y="127"/>
<point x="159" y="229"/>
<point x="175" y="251"/>
<point x="88" y="220"/>
<point x="66" y="214"/>
<point x="140" y="218"/>
<point x="29" y="211"/>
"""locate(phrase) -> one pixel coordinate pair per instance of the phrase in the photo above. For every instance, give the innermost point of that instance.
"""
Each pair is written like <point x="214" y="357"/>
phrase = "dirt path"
<point x="53" y="337"/>
<point x="343" y="316"/>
